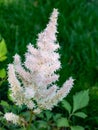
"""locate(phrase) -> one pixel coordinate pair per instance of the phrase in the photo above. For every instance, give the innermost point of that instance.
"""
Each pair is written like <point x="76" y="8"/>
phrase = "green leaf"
<point x="32" y="127"/>
<point x="62" y="122"/>
<point x="42" y="124"/>
<point x="26" y="115"/>
<point x="41" y="115"/>
<point x="3" y="50"/>
<point x="77" y="128"/>
<point x="2" y="73"/>
<point x="80" y="100"/>
<point x="80" y="114"/>
<point x="48" y="114"/>
<point x="1" y="113"/>
<point x="4" y="104"/>
<point x="56" y="117"/>
<point x="3" y="58"/>
<point x="67" y="106"/>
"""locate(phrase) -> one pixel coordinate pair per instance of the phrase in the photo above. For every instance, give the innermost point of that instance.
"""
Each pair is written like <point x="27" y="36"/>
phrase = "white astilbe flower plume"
<point x="33" y="82"/>
<point x="15" y="119"/>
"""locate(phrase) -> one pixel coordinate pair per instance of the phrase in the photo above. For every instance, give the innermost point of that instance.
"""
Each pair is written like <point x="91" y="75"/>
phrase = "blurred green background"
<point x="22" y="20"/>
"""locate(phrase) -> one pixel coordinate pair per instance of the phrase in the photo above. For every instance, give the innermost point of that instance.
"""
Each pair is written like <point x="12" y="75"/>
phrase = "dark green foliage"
<point x="48" y="120"/>
<point x="22" y="20"/>
<point x="69" y="121"/>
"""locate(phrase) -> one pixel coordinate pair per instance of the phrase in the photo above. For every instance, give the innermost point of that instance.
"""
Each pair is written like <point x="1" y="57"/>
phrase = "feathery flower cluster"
<point x="15" y="119"/>
<point x="32" y="82"/>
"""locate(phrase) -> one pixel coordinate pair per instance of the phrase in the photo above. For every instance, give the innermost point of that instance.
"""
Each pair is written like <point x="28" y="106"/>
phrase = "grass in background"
<point x="22" y="20"/>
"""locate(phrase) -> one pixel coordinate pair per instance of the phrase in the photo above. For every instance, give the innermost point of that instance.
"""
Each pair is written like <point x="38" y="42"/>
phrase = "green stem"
<point x="31" y="115"/>
<point x="70" y="116"/>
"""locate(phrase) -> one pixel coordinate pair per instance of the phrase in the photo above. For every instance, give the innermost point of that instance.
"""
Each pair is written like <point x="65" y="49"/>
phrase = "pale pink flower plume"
<point x="34" y="80"/>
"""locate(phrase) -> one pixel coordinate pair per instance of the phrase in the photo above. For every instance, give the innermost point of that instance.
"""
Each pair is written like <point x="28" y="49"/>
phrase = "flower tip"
<point x="16" y="58"/>
<point x="71" y="80"/>
<point x="55" y="12"/>
<point x="10" y="66"/>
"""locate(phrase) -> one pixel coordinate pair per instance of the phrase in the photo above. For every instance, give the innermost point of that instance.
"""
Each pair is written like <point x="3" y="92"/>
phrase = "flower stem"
<point x="31" y="115"/>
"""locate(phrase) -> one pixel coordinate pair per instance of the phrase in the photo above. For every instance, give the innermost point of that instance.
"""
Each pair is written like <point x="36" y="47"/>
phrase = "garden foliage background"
<point x="22" y="20"/>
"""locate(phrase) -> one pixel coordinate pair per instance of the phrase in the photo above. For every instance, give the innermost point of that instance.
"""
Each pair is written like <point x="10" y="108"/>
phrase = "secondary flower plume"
<point x="15" y="119"/>
<point x="32" y="83"/>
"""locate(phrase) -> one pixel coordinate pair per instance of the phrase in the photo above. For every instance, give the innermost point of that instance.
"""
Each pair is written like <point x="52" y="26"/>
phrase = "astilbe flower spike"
<point x="32" y="83"/>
